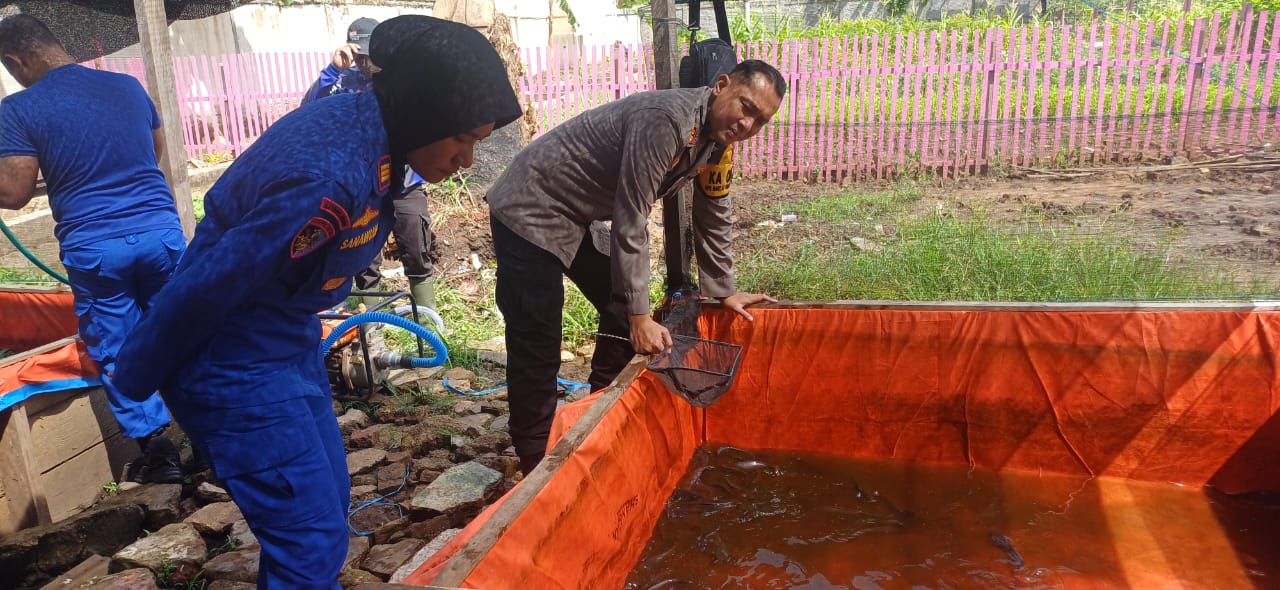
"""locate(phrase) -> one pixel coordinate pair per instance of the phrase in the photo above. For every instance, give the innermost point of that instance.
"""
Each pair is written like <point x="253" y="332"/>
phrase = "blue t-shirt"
<point x="91" y="131"/>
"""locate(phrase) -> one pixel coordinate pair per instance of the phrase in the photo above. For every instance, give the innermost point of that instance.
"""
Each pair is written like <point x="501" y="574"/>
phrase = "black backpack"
<point x="708" y="58"/>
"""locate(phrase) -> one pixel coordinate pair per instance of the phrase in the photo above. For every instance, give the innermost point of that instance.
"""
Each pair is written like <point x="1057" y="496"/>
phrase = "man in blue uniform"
<point x="232" y="341"/>
<point x="413" y="222"/>
<point x="350" y="70"/>
<point x="96" y="135"/>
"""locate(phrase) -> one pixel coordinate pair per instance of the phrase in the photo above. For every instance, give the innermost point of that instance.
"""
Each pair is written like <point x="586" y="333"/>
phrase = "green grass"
<point x="25" y="276"/>
<point x="945" y="256"/>
<point x="197" y="205"/>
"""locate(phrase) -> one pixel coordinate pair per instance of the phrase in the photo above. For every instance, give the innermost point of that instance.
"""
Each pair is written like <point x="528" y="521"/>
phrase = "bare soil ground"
<point x="1227" y="219"/>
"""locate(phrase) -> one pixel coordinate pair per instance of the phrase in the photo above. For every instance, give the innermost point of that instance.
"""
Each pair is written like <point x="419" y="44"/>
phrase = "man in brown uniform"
<point x="611" y="163"/>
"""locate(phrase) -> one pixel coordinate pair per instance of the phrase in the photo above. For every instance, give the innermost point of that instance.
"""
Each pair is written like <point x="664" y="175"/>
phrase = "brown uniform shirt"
<point x="612" y="163"/>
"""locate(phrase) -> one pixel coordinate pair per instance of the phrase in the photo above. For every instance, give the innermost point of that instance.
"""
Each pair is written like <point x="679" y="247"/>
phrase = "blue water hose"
<point x="380" y="317"/>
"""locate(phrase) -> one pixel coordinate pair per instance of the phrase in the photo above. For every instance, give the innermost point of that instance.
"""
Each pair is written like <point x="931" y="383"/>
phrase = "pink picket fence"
<point x="227" y="101"/>
<point x="957" y="102"/>
<point x="947" y="103"/>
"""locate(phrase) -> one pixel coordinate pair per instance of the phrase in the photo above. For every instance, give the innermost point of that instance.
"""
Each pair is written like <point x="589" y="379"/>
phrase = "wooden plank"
<point x="1020" y="76"/>
<point x="95" y="566"/>
<point x="1105" y="94"/>
<point x="1090" y="104"/>
<point x="666" y="50"/>
<point x="884" y="109"/>
<point x="1265" y="117"/>
<point x="787" y="145"/>
<point x="74" y="484"/>
<point x="959" y="124"/>
<point x="1054" y="306"/>
<point x="1080" y="68"/>
<point x="1140" y="146"/>
<point x="1255" y="63"/>
<point x="24" y="501"/>
<point x="1171" y="141"/>
<point x="153" y="33"/>
<point x="73" y="425"/>
<point x="38" y="404"/>
<point x="37" y="351"/>
<point x="1156" y="54"/>
<point x="1043" y="121"/>
<point x="1229" y="52"/>
<point x="1060" y="112"/>
<point x="975" y="98"/>
<point x="30" y="289"/>
<point x="865" y="105"/>
<point x="902" y="46"/>
<point x="987" y="94"/>
<point x="1190" y="109"/>
<point x="187" y="117"/>
<point x="456" y="570"/>
<point x="918" y="131"/>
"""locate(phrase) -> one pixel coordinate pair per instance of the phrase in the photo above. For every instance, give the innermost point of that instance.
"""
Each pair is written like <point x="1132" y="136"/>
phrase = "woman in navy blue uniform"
<point x="232" y="340"/>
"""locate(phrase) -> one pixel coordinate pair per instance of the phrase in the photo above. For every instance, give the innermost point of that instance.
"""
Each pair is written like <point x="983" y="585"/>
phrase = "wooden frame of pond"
<point x="1182" y="392"/>
<point x="59" y="442"/>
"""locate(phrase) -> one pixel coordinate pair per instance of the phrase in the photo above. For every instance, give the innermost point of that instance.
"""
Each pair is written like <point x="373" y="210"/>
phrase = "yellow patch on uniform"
<point x="714" y="177"/>
<point x="332" y="284"/>
<point x="360" y="240"/>
<point x="365" y="218"/>
<point x="384" y="173"/>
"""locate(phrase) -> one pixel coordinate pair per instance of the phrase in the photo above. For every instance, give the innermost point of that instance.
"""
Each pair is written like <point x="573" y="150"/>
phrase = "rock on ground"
<point x="133" y="579"/>
<point x="215" y="519"/>
<point x="423" y="555"/>
<point x="234" y="566"/>
<point x="460" y="487"/>
<point x="33" y="556"/>
<point x="174" y="545"/>
<point x="384" y="560"/>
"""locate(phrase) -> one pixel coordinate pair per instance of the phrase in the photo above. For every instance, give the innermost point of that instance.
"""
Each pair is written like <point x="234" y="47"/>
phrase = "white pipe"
<point x="403" y="311"/>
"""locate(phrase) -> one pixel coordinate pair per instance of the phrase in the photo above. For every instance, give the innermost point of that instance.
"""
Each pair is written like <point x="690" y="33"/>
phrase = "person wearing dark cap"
<point x="413" y="220"/>
<point x="611" y="163"/>
<point x="232" y="341"/>
<point x="350" y="70"/>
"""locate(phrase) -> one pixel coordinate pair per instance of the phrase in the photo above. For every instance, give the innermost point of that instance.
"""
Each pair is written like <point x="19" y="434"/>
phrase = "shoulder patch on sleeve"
<point x="314" y="234"/>
<point x="341" y="219"/>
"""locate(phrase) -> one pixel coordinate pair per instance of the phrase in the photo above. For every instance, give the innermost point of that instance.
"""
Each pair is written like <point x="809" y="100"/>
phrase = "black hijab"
<point x="438" y="78"/>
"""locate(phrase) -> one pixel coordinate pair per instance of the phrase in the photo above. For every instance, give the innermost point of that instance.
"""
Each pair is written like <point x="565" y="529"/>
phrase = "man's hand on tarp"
<point x="738" y="301"/>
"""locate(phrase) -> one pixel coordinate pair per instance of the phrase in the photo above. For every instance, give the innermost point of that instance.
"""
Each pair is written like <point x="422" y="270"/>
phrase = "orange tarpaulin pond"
<point x="34" y="320"/>
<point x="1134" y="395"/>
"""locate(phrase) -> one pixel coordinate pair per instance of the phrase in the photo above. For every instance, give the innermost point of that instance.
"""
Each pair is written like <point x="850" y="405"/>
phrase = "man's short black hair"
<point x="25" y="35"/>
<point x="754" y="67"/>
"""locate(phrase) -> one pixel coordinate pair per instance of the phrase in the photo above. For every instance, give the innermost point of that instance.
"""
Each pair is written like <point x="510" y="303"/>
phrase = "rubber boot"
<point x="424" y="291"/>
<point x="160" y="461"/>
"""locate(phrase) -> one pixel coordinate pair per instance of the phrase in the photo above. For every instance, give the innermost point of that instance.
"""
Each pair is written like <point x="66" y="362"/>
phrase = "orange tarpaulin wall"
<point x="30" y="319"/>
<point x="1182" y="396"/>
